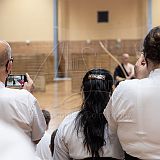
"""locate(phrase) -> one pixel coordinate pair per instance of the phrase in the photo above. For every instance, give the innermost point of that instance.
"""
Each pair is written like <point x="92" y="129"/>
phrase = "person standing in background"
<point x="128" y="68"/>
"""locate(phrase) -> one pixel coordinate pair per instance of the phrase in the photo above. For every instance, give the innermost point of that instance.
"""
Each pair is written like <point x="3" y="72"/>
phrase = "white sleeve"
<point x="113" y="109"/>
<point x="38" y="123"/>
<point x="61" y="151"/>
<point x="109" y="116"/>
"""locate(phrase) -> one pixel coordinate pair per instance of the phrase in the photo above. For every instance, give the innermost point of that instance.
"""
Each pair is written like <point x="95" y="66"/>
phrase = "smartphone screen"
<point x="16" y="80"/>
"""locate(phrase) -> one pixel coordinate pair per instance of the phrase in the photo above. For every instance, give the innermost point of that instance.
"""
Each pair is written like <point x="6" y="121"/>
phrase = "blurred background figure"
<point x="14" y="144"/>
<point x="126" y="73"/>
<point x="43" y="150"/>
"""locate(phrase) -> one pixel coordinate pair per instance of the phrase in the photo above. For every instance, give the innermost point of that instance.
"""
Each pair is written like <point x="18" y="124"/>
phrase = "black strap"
<point x="125" y="69"/>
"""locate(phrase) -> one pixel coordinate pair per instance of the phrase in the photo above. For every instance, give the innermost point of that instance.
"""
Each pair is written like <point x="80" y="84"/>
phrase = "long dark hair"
<point x="97" y="88"/>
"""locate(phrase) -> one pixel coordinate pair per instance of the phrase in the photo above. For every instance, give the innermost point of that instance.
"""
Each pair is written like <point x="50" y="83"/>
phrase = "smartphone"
<point x="15" y="81"/>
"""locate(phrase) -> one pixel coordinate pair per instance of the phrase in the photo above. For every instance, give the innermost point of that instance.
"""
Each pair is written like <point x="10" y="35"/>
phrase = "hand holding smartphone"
<point x="20" y="81"/>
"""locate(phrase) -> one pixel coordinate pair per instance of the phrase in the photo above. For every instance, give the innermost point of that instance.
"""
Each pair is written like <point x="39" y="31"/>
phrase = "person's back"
<point x="68" y="134"/>
<point x="138" y="116"/>
<point x="19" y="107"/>
<point x="18" y="110"/>
<point x="133" y="111"/>
<point x="84" y="134"/>
<point x="14" y="144"/>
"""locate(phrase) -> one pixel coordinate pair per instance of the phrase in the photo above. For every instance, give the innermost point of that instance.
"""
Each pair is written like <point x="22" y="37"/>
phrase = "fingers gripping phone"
<point x="15" y="81"/>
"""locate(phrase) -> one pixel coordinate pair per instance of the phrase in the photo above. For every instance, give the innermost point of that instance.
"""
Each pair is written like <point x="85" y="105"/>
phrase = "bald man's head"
<point x="125" y="58"/>
<point x="5" y="53"/>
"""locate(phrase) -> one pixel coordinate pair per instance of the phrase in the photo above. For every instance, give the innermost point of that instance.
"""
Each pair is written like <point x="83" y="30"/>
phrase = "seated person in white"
<point x="14" y="145"/>
<point x="18" y="107"/>
<point x="134" y="108"/>
<point x="43" y="149"/>
<point x="85" y="133"/>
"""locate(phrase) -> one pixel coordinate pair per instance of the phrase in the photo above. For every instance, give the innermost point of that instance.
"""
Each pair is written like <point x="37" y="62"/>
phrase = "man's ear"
<point x="9" y="67"/>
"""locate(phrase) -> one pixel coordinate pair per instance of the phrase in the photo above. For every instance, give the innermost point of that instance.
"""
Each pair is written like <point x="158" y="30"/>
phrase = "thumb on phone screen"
<point x="29" y="85"/>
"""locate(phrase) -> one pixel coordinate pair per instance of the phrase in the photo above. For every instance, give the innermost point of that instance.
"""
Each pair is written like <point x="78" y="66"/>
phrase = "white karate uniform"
<point x="20" y="109"/>
<point x="42" y="150"/>
<point x="134" y="114"/>
<point x="69" y="145"/>
<point x="14" y="145"/>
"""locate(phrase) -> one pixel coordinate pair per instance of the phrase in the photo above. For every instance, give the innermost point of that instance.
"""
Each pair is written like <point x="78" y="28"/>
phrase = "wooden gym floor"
<point x="59" y="101"/>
